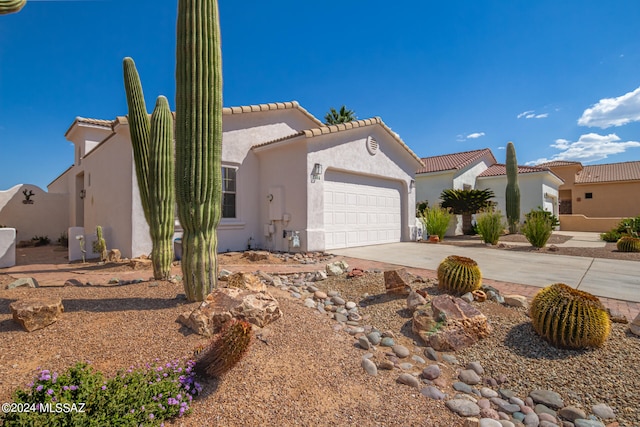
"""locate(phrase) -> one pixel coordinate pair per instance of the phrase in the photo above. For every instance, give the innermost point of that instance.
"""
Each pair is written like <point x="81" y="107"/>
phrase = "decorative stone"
<point x="431" y="372"/>
<point x="433" y="393"/>
<point x="319" y="276"/>
<point x="516" y="301"/>
<point x="336" y="268"/>
<point x="548" y="398"/>
<point x="34" y="314"/>
<point x="634" y="326"/>
<point x="386" y="365"/>
<point x="350" y="305"/>
<point x="505" y="406"/>
<point x="463" y="407"/>
<point x="374" y="337"/>
<point x="73" y="282"/>
<point x="254" y="256"/>
<point x="603" y="411"/>
<point x="224" y="275"/>
<point x="310" y="303"/>
<point x="369" y="367"/>
<point x="460" y="386"/>
<point x="257" y="308"/>
<point x="531" y="420"/>
<point x="415" y="300"/>
<point x="572" y="413"/>
<point x="489" y="422"/>
<point x="477" y="367"/>
<point x="337" y="300"/>
<point x="488" y="393"/>
<point x="397" y="282"/>
<point x="247" y="281"/>
<point x="408" y="379"/>
<point x="587" y="423"/>
<point x="25" y="282"/>
<point x="469" y="376"/>
<point x="471" y="422"/>
<point x="387" y="342"/>
<point x="468" y="297"/>
<point x="401" y="351"/>
<point x="114" y="255"/>
<point x="431" y="353"/>
<point x="453" y="324"/>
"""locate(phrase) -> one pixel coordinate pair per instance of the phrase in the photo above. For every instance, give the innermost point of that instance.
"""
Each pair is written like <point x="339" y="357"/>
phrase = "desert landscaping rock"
<point x="25" y="282"/>
<point x="634" y="326"/>
<point x="387" y="342"/>
<point x="397" y="282"/>
<point x="476" y="367"/>
<point x="431" y="372"/>
<point x="364" y="343"/>
<point x="401" y="351"/>
<point x="433" y="393"/>
<point x="603" y="411"/>
<point x="369" y="367"/>
<point x="469" y="376"/>
<point x="588" y="423"/>
<point x="415" y="300"/>
<point x="463" y="407"/>
<point x="374" y="337"/>
<point x="488" y="422"/>
<point x="36" y="313"/>
<point x="516" y="301"/>
<point x="572" y="413"/>
<point x="408" y="379"/>
<point x="548" y="398"/>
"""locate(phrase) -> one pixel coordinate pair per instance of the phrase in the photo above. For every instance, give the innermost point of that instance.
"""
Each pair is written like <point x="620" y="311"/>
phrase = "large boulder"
<point x="336" y="268"/>
<point x="114" y="255"/>
<point x="34" y="314"/>
<point x="397" y="281"/>
<point x="453" y="324"/>
<point x="223" y="304"/>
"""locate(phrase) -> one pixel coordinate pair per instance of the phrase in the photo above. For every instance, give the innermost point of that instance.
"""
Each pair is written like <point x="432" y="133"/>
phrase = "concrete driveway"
<point x="602" y="277"/>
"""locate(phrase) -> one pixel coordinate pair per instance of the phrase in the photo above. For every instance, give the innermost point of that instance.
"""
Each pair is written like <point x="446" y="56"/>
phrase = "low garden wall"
<point x="584" y="223"/>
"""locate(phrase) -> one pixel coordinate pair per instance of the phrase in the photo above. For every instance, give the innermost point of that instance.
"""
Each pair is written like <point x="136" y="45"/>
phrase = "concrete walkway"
<point x="602" y="277"/>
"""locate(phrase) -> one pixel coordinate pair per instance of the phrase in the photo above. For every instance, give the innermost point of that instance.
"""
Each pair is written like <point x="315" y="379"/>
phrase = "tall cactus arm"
<point x="11" y="6"/>
<point x="161" y="190"/>
<point x="512" y="192"/>
<point x="198" y="141"/>
<point x="139" y="129"/>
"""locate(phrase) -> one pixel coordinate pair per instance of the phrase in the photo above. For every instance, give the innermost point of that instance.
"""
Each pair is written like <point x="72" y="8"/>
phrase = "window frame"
<point x="234" y="192"/>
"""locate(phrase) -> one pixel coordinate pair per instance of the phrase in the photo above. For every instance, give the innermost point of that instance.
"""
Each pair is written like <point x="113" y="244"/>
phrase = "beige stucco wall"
<point x="619" y="199"/>
<point x="583" y="223"/>
<point x="46" y="216"/>
<point x="7" y="247"/>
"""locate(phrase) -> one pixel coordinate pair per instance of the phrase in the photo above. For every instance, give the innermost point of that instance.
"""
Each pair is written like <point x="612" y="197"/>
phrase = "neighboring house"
<point x="290" y="183"/>
<point x="595" y="197"/>
<point x="478" y="169"/>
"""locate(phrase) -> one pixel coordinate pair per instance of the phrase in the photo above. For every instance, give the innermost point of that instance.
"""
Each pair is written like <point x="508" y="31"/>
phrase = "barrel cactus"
<point x="569" y="318"/>
<point x="628" y="244"/>
<point x="226" y="349"/>
<point x="11" y="6"/>
<point x="459" y="275"/>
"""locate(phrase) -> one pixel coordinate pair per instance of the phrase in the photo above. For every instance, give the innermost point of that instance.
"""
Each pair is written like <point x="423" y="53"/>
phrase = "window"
<point x="588" y="195"/>
<point x="228" y="192"/>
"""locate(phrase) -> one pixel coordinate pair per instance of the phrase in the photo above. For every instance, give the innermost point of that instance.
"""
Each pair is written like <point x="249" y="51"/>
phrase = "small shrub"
<point x="421" y="207"/>
<point x="490" y="226"/>
<point x="629" y="226"/>
<point x="136" y="397"/>
<point x="555" y="222"/>
<point x="436" y="221"/>
<point x="41" y="240"/>
<point x="611" y="236"/>
<point x="537" y="228"/>
<point x="63" y="240"/>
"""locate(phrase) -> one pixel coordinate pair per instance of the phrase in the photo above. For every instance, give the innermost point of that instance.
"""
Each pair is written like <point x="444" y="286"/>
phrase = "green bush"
<point x="537" y="228"/>
<point x="611" y="236"/>
<point x="421" y="207"/>
<point x="555" y="222"/>
<point x="134" y="397"/>
<point x="436" y="221"/>
<point x="626" y="227"/>
<point x="41" y="240"/>
<point x="63" y="240"/>
<point x="490" y="226"/>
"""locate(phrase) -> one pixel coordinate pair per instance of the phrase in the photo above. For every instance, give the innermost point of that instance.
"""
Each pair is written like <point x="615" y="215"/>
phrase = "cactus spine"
<point x="226" y="349"/>
<point x="512" y="195"/>
<point x="199" y="142"/>
<point x="152" y="142"/>
<point x="459" y="275"/>
<point x="11" y="6"/>
<point x="161" y="188"/>
<point x="569" y="318"/>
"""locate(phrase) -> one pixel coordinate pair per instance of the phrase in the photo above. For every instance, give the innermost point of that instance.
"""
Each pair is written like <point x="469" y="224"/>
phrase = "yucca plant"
<point x="569" y="318"/>
<point x="466" y="203"/>
<point x="459" y="275"/>
<point x="628" y="244"/>
<point x="226" y="349"/>
<point x="537" y="228"/>
<point x="490" y="225"/>
<point x="436" y="221"/>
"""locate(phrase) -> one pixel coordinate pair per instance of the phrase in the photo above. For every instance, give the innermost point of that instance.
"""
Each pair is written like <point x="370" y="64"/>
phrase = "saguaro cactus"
<point x="161" y="188"/>
<point x="512" y="195"/>
<point x="198" y="142"/>
<point x="11" y="6"/>
<point x="152" y="142"/>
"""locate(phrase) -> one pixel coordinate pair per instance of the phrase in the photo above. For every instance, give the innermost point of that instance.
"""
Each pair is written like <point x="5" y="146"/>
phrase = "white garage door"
<point x="360" y="211"/>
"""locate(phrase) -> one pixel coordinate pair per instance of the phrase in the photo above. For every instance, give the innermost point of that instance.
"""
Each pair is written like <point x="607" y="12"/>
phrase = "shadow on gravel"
<point x="525" y="342"/>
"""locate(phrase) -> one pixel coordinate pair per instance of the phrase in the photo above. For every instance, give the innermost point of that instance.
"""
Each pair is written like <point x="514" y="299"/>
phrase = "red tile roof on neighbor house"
<point x="557" y="163"/>
<point x="612" y="172"/>
<point x="499" y="169"/>
<point x="455" y="161"/>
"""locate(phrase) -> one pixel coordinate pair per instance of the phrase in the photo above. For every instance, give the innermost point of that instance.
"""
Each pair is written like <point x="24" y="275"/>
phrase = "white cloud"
<point x="502" y="148"/>
<point x="531" y="114"/>
<point x="613" y="111"/>
<point x="475" y="135"/>
<point x="589" y="147"/>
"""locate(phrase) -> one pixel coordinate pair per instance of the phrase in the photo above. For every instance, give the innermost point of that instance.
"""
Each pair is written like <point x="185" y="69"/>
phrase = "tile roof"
<point x="559" y="163"/>
<point x="324" y="130"/>
<point x="499" y="169"/>
<point x="454" y="161"/>
<point x="625" y="171"/>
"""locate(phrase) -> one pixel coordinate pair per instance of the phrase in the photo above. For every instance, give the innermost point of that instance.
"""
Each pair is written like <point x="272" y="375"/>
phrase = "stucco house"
<point x="478" y="169"/>
<point x="595" y="197"/>
<point x="290" y="183"/>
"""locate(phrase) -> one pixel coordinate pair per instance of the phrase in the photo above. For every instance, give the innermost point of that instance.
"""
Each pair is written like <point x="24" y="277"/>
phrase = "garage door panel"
<point x="361" y="211"/>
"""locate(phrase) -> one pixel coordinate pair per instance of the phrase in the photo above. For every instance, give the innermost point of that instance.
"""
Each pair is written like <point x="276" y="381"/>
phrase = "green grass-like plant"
<point x="145" y="396"/>
<point x="537" y="228"/>
<point x="628" y="244"/>
<point x="436" y="221"/>
<point x="569" y="318"/>
<point x="490" y="225"/>
<point x="611" y="236"/>
<point x="459" y="275"/>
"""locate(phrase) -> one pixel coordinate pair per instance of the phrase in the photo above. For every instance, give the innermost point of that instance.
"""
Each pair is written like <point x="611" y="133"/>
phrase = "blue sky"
<point x="561" y="79"/>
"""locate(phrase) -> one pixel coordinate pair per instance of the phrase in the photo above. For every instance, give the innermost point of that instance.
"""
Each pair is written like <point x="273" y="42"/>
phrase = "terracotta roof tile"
<point x="453" y="161"/>
<point x="324" y="130"/>
<point x="499" y="169"/>
<point x="559" y="163"/>
<point x="625" y="171"/>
